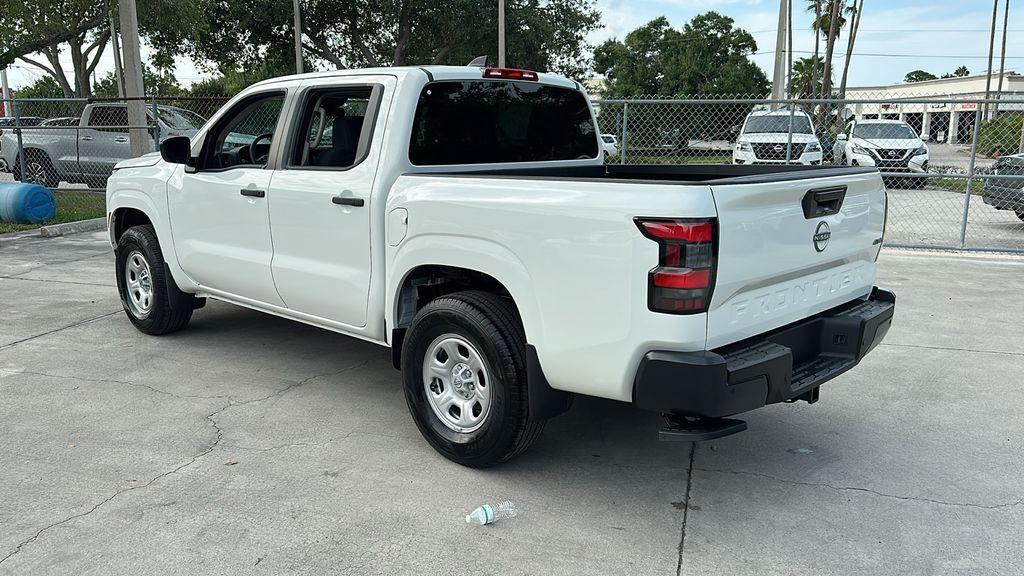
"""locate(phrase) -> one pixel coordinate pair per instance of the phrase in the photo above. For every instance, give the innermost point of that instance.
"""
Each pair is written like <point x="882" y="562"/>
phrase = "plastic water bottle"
<point x="490" y="513"/>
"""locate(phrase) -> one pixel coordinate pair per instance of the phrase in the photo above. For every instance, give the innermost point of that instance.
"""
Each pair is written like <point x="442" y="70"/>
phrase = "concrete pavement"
<point x="250" y="444"/>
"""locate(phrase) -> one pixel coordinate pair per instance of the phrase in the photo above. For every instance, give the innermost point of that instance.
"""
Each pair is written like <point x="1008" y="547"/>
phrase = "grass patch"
<point x="72" y="206"/>
<point x="957" y="185"/>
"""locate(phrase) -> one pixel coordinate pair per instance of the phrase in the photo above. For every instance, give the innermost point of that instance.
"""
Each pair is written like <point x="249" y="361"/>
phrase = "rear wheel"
<point x="142" y="284"/>
<point x="38" y="170"/>
<point x="464" y="368"/>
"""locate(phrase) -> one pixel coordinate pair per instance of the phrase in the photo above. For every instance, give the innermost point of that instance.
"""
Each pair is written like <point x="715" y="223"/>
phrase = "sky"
<point x="894" y="38"/>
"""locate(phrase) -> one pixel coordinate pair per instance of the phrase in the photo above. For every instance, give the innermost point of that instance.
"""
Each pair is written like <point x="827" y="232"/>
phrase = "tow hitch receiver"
<point x="691" y="429"/>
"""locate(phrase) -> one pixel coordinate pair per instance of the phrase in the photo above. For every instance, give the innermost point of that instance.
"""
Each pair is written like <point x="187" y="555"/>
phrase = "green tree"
<point x="81" y="29"/>
<point x="960" y="72"/>
<point x="807" y="77"/>
<point x="918" y="76"/>
<point x="157" y="83"/>
<point x="243" y="36"/>
<point x="708" y="57"/>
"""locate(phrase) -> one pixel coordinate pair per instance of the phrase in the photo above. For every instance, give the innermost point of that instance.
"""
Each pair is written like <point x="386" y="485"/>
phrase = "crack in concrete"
<point x="686" y="507"/>
<point x="864" y="490"/>
<point x="97" y="506"/>
<point x="951" y="349"/>
<point x="62" y="262"/>
<point x="47" y="280"/>
<point x="212" y="419"/>
<point x="55" y="330"/>
<point x="126" y="383"/>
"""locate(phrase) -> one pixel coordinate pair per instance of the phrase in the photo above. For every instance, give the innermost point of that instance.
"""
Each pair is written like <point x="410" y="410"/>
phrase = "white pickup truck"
<point x="463" y="217"/>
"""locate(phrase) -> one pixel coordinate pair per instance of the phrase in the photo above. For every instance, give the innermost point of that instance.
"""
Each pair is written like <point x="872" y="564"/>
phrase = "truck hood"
<point x="777" y="138"/>
<point x="888" y="143"/>
<point x="145" y="160"/>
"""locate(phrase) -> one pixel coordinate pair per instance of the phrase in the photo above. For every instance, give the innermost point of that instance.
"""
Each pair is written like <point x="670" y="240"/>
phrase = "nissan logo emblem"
<point x="821" y="236"/>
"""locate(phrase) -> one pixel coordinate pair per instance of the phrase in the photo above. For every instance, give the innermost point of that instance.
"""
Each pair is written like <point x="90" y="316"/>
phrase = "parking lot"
<point x="250" y="444"/>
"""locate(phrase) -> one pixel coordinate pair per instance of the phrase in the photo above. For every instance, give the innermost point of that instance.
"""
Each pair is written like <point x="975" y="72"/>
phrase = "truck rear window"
<point x="487" y="121"/>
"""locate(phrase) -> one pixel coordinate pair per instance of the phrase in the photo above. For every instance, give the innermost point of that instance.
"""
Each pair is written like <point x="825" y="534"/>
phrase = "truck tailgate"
<point x="791" y="246"/>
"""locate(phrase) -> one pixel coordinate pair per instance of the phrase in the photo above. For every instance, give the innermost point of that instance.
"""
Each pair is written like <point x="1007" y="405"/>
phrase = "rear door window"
<point x="497" y="121"/>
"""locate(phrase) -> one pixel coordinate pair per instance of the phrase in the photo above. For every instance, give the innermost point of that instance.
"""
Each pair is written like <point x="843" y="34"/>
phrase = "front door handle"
<point x="86" y="138"/>
<point x="254" y="192"/>
<point x="121" y="139"/>
<point x="347" y="201"/>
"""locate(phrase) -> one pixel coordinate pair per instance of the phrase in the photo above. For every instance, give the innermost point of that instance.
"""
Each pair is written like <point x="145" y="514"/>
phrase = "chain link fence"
<point x="72" y="145"/>
<point x="930" y="150"/>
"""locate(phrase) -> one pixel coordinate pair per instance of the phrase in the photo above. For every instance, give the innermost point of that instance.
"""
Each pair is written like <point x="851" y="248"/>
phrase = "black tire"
<point x="39" y="169"/>
<point x="159" y="317"/>
<point x="492" y="326"/>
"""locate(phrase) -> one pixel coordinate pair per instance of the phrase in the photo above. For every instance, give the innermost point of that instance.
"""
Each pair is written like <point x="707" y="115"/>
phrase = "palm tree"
<point x="807" y="73"/>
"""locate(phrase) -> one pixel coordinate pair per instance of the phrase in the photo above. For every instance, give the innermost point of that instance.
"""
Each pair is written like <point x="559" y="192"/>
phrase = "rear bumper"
<point x="1003" y="197"/>
<point x="785" y="364"/>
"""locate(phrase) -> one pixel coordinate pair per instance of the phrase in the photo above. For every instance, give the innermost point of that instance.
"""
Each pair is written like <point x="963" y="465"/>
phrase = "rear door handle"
<point x="86" y="138"/>
<point x="347" y="201"/>
<point x="121" y="139"/>
<point x="254" y="192"/>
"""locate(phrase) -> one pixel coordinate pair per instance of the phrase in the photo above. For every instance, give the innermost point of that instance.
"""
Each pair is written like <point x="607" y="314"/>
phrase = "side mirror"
<point x="840" y="136"/>
<point x="176" y="149"/>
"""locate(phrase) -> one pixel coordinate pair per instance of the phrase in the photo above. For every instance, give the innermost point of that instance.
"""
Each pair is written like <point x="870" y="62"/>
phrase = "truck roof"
<point x="427" y="72"/>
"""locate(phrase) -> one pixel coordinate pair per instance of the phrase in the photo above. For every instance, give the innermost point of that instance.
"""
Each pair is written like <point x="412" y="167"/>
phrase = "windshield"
<point x="487" y="121"/>
<point x="777" y="124"/>
<point x="180" y="119"/>
<point x="892" y="131"/>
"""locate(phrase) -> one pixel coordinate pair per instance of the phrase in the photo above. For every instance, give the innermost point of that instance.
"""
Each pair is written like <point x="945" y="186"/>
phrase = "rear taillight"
<point x="510" y="74"/>
<point x="685" y="276"/>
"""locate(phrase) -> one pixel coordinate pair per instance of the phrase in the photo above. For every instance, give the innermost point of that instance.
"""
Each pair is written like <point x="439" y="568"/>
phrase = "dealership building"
<point x="945" y="119"/>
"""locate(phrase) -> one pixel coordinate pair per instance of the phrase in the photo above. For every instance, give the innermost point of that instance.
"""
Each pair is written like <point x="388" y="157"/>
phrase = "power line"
<point x="879" y="55"/>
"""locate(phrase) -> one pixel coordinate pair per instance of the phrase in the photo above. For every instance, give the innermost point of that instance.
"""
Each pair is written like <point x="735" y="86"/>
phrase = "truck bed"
<point x="683" y="173"/>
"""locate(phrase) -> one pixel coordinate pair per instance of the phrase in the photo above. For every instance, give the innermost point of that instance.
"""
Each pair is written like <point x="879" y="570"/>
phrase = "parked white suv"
<point x="610" y="145"/>
<point x="463" y="217"/>
<point x="765" y="137"/>
<point x="890" y="145"/>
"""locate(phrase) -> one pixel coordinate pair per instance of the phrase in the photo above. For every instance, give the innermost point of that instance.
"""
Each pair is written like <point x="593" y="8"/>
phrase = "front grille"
<point x="770" y="151"/>
<point x="890" y="153"/>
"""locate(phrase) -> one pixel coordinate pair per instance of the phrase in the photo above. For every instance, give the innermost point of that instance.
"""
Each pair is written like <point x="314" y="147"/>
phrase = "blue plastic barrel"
<point x="30" y="203"/>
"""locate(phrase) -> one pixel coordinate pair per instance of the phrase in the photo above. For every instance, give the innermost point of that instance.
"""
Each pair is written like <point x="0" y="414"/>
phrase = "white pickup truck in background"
<point x="463" y="217"/>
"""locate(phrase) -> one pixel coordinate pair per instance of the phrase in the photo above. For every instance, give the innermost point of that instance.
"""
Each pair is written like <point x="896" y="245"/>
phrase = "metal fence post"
<point x="622" y="150"/>
<point x="789" y="143"/>
<point x="970" y="176"/>
<point x="156" y="127"/>
<point x="17" y="132"/>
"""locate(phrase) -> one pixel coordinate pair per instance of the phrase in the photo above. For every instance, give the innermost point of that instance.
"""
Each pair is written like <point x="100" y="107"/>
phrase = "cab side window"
<point x="109" y="118"/>
<point x="335" y="128"/>
<point x="244" y="136"/>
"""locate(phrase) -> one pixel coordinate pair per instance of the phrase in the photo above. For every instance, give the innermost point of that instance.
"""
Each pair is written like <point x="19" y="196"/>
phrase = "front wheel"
<point x="142" y="284"/>
<point x="464" y="368"/>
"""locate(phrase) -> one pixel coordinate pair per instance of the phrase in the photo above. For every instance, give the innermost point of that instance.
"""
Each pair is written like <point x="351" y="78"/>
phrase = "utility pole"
<point x="779" y="75"/>
<point x="133" y="87"/>
<point x="501" y="33"/>
<point x="6" y="92"/>
<point x="1002" y="55"/>
<point x="298" y="37"/>
<point x="118" y="68"/>
<point x="991" y="49"/>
